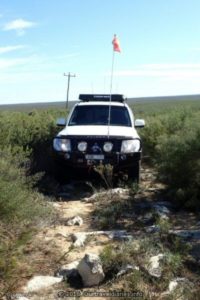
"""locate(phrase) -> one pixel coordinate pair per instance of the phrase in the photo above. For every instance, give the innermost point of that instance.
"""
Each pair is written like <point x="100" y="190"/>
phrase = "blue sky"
<point x="42" y="39"/>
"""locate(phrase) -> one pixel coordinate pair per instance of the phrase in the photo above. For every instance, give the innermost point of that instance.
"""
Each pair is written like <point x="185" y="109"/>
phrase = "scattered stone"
<point x="116" y="191"/>
<point x="69" y="270"/>
<point x="18" y="297"/>
<point x="117" y="234"/>
<point x="127" y="269"/>
<point x="153" y="267"/>
<point x="90" y="269"/>
<point x="180" y="287"/>
<point x="75" y="221"/>
<point x="177" y="282"/>
<point x="79" y="239"/>
<point x="40" y="282"/>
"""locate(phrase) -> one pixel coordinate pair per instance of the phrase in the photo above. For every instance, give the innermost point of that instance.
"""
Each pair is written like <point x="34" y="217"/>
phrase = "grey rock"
<point x="179" y="288"/>
<point x="79" y="239"/>
<point x="127" y="269"/>
<point x="153" y="267"/>
<point x="90" y="270"/>
<point x="116" y="191"/>
<point x="175" y="283"/>
<point x="116" y="234"/>
<point x="40" y="282"/>
<point x="69" y="270"/>
<point x="76" y="220"/>
<point x="18" y="297"/>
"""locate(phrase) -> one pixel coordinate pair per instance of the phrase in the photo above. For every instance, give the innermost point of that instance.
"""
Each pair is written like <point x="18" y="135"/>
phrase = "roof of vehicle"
<point x="102" y="97"/>
<point x="101" y="103"/>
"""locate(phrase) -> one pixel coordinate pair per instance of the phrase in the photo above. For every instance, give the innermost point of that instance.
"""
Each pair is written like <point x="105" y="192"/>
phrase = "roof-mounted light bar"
<point x="102" y="97"/>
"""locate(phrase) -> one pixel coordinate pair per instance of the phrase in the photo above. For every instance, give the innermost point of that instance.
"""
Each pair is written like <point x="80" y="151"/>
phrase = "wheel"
<point x="134" y="172"/>
<point x="61" y="174"/>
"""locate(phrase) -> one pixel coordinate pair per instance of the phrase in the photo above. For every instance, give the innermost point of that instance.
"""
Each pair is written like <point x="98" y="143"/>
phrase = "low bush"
<point x="18" y="201"/>
<point x="172" y="139"/>
<point x="22" y="208"/>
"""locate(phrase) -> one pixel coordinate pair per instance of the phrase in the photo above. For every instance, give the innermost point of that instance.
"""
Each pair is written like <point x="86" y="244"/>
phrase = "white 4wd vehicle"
<point x="98" y="130"/>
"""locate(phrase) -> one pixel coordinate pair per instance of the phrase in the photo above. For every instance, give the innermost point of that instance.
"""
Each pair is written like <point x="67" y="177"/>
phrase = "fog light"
<point x="107" y="147"/>
<point x="82" y="146"/>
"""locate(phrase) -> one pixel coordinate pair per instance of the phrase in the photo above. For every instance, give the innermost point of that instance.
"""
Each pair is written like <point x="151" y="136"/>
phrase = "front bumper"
<point x="79" y="160"/>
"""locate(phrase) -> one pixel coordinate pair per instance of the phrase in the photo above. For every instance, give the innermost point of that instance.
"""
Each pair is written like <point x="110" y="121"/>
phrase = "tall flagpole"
<point x="116" y="47"/>
<point x="111" y="82"/>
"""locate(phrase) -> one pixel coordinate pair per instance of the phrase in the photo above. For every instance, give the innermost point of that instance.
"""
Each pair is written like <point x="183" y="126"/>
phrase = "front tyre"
<point x="61" y="173"/>
<point x="134" y="172"/>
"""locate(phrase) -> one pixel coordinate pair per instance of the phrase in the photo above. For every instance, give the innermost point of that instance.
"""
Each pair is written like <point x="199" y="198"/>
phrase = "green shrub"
<point x="17" y="201"/>
<point x="21" y="211"/>
<point x="172" y="139"/>
<point x="178" y="161"/>
<point x="27" y="129"/>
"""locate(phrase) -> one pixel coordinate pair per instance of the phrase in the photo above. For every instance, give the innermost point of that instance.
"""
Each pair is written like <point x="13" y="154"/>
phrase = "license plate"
<point x="94" y="156"/>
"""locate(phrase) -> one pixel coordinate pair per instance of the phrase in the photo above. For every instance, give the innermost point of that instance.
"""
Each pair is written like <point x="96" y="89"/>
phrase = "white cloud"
<point x="10" y="48"/>
<point x="7" y="63"/>
<point x="19" y="25"/>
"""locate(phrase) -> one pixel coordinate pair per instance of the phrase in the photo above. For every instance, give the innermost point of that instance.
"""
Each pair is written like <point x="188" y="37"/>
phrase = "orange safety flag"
<point x="115" y="42"/>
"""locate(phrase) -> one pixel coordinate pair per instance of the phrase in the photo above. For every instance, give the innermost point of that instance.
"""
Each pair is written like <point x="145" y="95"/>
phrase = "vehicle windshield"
<point x="98" y="115"/>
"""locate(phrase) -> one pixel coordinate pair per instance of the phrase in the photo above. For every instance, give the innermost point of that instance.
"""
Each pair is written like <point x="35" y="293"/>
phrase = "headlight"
<point x="82" y="146"/>
<point x="130" y="146"/>
<point x="62" y="144"/>
<point x="107" y="147"/>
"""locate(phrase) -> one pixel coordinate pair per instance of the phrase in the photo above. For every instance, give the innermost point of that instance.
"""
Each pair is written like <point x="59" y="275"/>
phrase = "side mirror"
<point x="61" y="122"/>
<point x="139" y="123"/>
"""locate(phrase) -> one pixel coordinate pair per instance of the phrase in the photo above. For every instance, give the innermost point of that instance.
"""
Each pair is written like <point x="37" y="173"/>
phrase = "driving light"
<point x="130" y="146"/>
<point x="82" y="146"/>
<point x="63" y="145"/>
<point x="107" y="147"/>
